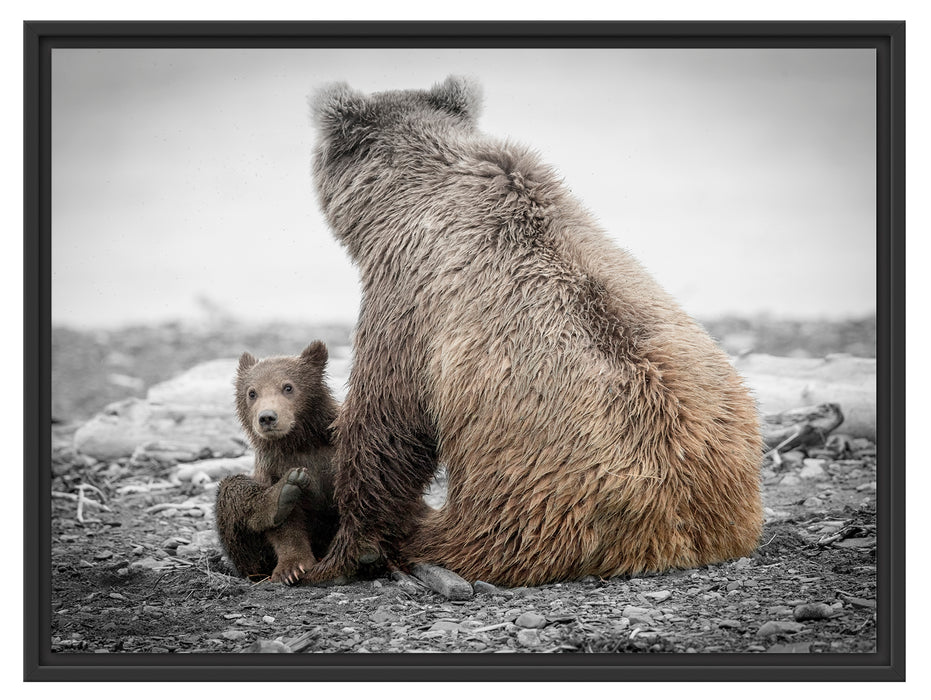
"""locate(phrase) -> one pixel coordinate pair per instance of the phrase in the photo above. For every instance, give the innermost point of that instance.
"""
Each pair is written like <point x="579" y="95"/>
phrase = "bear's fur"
<point x="588" y="425"/>
<point x="278" y="521"/>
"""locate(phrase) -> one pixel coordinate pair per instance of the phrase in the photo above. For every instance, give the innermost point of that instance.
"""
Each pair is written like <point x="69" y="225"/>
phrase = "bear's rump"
<point x="563" y="462"/>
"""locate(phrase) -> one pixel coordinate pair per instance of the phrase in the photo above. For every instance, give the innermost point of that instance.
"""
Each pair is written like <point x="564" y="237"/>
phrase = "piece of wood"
<point x="782" y="383"/>
<point x="801" y="427"/>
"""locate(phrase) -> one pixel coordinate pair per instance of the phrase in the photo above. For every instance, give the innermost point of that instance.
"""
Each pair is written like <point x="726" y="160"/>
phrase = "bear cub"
<point x="278" y="522"/>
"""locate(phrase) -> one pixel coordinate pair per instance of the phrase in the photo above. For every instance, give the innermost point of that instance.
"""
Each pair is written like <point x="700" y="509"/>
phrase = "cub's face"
<point x="272" y="394"/>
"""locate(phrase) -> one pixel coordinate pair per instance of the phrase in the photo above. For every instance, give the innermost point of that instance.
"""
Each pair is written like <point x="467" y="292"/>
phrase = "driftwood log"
<point x="782" y="384"/>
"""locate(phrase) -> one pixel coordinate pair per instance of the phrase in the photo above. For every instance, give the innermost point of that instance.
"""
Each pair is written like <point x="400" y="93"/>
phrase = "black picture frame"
<point x="886" y="38"/>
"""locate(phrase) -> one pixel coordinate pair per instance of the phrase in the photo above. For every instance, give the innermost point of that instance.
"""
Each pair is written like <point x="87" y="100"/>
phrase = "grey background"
<point x="743" y="179"/>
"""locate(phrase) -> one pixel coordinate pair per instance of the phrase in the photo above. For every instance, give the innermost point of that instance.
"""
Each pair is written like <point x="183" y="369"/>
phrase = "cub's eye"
<point x="288" y="388"/>
<point x="252" y="394"/>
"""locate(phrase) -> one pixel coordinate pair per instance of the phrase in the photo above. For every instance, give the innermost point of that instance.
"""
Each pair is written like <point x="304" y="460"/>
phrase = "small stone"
<point x="730" y="623"/>
<point x="447" y="583"/>
<point x="813" y="469"/>
<point x="637" y="615"/>
<point x="382" y="616"/>
<point x="530" y="620"/>
<point x="658" y="596"/>
<point x="105" y="554"/>
<point x="732" y="586"/>
<point x="528" y="637"/>
<point x="171" y="544"/>
<point x="790" y="480"/>
<point x="149" y="563"/>
<point x="484" y="587"/>
<point x="812" y="502"/>
<point x="188" y="551"/>
<point x="791" y="648"/>
<point x="234" y="635"/>
<point x="773" y="627"/>
<point x="264" y="646"/>
<point x="743" y="563"/>
<point x="812" y="611"/>
<point x="869" y="486"/>
<point x="268" y="619"/>
<point x="856" y="543"/>
<point x="860" y="602"/>
<point x="793" y="456"/>
<point x="444" y="626"/>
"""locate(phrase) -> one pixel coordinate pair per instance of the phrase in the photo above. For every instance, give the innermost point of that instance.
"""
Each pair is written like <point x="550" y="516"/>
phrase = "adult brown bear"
<point x="588" y="425"/>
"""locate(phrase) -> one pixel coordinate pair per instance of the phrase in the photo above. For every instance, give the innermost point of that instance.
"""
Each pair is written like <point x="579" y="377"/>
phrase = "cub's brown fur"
<point x="276" y="522"/>
<point x="588" y="425"/>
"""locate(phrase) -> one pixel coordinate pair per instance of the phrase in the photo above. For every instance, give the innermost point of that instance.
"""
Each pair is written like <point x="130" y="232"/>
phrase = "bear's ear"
<point x="246" y="362"/>
<point x="315" y="353"/>
<point x="341" y="114"/>
<point x="457" y="95"/>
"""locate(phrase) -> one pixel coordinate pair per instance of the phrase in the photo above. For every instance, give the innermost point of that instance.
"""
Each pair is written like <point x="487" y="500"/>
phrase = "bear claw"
<point x="289" y="572"/>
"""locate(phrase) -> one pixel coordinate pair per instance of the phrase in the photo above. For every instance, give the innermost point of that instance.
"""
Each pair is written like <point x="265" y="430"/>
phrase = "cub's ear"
<point x="341" y="114"/>
<point x="459" y="96"/>
<point x="315" y="353"/>
<point x="246" y="362"/>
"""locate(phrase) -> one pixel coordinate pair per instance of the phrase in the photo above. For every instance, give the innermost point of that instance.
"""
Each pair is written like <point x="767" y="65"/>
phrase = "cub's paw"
<point x="290" y="571"/>
<point x="292" y="486"/>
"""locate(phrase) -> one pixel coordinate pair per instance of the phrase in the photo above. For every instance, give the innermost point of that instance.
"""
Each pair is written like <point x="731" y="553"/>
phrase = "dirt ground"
<point x="136" y="568"/>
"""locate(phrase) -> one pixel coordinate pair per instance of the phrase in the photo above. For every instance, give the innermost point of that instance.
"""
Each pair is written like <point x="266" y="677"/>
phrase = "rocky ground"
<point x="136" y="567"/>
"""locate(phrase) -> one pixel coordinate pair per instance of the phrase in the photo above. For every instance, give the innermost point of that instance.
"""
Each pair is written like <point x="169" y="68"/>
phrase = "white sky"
<point x="743" y="179"/>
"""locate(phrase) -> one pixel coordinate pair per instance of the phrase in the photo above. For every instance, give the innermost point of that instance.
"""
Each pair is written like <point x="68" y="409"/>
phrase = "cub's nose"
<point x="268" y="419"/>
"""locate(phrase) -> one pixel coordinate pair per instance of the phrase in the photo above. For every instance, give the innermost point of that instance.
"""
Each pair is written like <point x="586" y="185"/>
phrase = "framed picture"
<point x="179" y="228"/>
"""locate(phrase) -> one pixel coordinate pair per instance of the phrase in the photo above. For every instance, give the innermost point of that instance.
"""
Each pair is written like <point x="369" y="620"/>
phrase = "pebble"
<point x="790" y="480"/>
<point x="856" y="542"/>
<point x="268" y="619"/>
<point x="813" y="502"/>
<point x="530" y="620"/>
<point x="382" y="616"/>
<point x="447" y="583"/>
<point x="234" y="635"/>
<point x="658" y="596"/>
<point x="637" y="615"/>
<point x="813" y="469"/>
<point x="774" y="627"/>
<point x="793" y="456"/>
<point x="528" y="637"/>
<point x="485" y="587"/>
<point x="791" y="648"/>
<point x="148" y="563"/>
<point x="812" y="611"/>
<point x="444" y="626"/>
<point x="743" y="563"/>
<point x="264" y="646"/>
<point x="188" y="551"/>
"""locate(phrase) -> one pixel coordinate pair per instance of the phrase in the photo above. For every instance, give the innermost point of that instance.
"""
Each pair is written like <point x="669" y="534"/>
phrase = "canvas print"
<point x="535" y="351"/>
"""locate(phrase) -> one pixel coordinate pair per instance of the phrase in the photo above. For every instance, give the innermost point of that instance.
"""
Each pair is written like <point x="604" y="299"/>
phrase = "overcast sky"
<point x="744" y="180"/>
